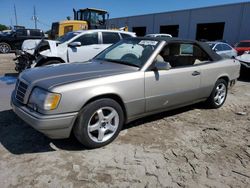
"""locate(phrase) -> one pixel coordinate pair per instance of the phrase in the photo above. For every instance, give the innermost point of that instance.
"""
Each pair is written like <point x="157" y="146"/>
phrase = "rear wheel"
<point x="4" y="48"/>
<point x="218" y="95"/>
<point x="99" y="123"/>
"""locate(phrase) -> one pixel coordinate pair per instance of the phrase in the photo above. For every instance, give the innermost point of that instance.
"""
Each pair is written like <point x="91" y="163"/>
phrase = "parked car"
<point x="159" y="35"/>
<point x="245" y="62"/>
<point x="131" y="79"/>
<point x="13" y="40"/>
<point x="223" y="49"/>
<point x="76" y="46"/>
<point x="242" y="46"/>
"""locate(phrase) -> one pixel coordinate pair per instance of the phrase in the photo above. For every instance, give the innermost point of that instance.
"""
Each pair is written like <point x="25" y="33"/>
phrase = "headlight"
<point x="44" y="100"/>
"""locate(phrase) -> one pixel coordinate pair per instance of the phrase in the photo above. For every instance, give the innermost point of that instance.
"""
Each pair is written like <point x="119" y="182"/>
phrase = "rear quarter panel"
<point x="211" y="72"/>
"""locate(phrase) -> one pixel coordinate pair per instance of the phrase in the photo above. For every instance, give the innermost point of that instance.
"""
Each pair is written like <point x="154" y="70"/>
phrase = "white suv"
<point x="76" y="46"/>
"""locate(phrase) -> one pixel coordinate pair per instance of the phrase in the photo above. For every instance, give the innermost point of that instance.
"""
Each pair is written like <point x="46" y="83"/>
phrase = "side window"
<point x="110" y="38"/>
<point x="186" y="49"/>
<point x="88" y="39"/>
<point x="68" y="29"/>
<point x="21" y="32"/>
<point x="226" y="47"/>
<point x="182" y="55"/>
<point x="124" y="36"/>
<point x="35" y="33"/>
<point x="218" y="47"/>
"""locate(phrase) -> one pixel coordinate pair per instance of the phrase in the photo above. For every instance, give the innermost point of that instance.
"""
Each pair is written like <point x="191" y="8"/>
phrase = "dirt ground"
<point x="188" y="147"/>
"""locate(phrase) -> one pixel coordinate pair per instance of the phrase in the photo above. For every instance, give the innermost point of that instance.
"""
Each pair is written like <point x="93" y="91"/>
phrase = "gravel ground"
<point x="7" y="65"/>
<point x="188" y="147"/>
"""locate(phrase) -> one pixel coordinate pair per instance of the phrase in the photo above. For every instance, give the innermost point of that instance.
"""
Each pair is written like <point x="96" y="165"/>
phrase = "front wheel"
<point x="218" y="95"/>
<point x="99" y="123"/>
<point x="4" y="48"/>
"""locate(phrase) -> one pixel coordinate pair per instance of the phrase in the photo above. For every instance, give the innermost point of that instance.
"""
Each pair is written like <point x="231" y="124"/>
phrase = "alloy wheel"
<point x="220" y="94"/>
<point x="103" y="124"/>
<point x="4" y="48"/>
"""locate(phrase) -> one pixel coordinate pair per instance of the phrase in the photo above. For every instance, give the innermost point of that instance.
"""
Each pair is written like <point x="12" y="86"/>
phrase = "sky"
<point x="49" y="11"/>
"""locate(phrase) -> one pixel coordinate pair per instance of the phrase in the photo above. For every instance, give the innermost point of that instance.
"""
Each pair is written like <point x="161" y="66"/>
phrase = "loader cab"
<point x="96" y="18"/>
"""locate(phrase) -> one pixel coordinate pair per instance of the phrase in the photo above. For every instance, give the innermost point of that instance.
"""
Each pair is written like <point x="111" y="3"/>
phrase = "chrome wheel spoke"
<point x="111" y="116"/>
<point x="101" y="133"/>
<point x="94" y="127"/>
<point x="111" y="127"/>
<point x="100" y="114"/>
<point x="216" y="97"/>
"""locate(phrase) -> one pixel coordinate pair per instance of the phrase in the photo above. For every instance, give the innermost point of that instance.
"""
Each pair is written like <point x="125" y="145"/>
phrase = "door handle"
<point x="196" y="73"/>
<point x="96" y="48"/>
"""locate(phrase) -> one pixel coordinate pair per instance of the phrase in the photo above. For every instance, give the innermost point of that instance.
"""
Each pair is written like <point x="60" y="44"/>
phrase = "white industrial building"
<point x="225" y="22"/>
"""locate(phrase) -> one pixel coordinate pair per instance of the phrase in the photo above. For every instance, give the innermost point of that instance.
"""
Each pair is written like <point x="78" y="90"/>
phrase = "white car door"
<point x="90" y="47"/>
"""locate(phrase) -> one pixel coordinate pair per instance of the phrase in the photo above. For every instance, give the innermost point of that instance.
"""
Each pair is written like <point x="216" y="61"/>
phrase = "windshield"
<point x="132" y="52"/>
<point x="243" y="44"/>
<point x="6" y="33"/>
<point x="67" y="37"/>
<point x="97" y="18"/>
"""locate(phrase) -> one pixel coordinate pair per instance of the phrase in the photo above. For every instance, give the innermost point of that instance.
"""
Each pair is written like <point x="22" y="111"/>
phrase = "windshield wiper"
<point x="119" y="62"/>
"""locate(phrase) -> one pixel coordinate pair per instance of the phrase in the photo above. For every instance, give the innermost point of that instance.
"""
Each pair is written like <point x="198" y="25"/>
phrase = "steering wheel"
<point x="131" y="58"/>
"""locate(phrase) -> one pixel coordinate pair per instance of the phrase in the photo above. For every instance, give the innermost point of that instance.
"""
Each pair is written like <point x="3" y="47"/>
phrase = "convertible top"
<point x="214" y="56"/>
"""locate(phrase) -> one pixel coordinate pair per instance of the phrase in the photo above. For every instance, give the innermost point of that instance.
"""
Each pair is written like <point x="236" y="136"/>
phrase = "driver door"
<point x="90" y="47"/>
<point x="169" y="88"/>
<point x="180" y="85"/>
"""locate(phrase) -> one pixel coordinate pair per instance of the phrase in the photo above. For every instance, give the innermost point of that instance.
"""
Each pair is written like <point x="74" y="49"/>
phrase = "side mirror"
<point x="162" y="65"/>
<point x="215" y="49"/>
<point x="74" y="44"/>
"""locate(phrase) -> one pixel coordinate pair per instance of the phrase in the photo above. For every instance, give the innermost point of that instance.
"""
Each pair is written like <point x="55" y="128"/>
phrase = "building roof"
<point x="182" y="10"/>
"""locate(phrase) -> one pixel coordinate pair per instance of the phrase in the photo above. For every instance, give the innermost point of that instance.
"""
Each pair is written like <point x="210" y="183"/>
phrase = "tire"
<point x="99" y="123"/>
<point x="218" y="95"/>
<point x="5" y="48"/>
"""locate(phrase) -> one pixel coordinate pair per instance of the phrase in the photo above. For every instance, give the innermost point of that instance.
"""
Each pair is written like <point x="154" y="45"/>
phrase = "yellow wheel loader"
<point x="84" y="19"/>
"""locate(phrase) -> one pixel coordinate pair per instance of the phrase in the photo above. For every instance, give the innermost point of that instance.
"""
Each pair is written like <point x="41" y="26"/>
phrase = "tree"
<point x="3" y="27"/>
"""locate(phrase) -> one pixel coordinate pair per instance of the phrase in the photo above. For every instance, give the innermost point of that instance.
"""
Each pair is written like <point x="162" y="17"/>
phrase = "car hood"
<point x="244" y="58"/>
<point x="36" y="46"/>
<point x="53" y="75"/>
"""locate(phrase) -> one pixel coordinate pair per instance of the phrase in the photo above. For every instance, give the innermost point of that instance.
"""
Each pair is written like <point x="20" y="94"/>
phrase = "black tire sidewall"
<point x="211" y="101"/>
<point x="81" y="125"/>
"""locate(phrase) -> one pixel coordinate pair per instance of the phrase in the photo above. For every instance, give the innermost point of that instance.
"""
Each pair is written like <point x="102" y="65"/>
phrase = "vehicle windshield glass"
<point x="211" y="45"/>
<point x="97" y="17"/>
<point x="67" y="37"/>
<point x="129" y="52"/>
<point x="6" y="33"/>
<point x="243" y="44"/>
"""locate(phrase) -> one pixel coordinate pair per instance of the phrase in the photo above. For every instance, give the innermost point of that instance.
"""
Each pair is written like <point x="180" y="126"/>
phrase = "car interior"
<point x="182" y="54"/>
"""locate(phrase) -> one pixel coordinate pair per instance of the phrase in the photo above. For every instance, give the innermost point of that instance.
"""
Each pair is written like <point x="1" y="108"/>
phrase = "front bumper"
<point x="53" y="126"/>
<point x="245" y="65"/>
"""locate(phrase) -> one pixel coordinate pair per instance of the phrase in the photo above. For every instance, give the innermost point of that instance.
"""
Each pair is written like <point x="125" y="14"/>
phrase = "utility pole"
<point x="34" y="17"/>
<point x="15" y="13"/>
<point x="11" y="24"/>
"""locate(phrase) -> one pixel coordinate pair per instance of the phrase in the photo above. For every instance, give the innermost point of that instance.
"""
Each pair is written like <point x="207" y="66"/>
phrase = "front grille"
<point x="21" y="88"/>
